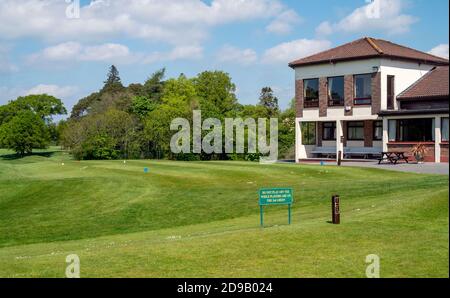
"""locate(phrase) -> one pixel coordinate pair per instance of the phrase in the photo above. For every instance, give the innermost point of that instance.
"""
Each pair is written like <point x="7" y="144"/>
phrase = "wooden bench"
<point x="327" y="151"/>
<point x="366" y="152"/>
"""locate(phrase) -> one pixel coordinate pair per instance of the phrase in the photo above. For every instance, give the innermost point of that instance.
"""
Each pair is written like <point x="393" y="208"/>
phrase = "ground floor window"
<point x="355" y="130"/>
<point x="378" y="130"/>
<point x="444" y="129"/>
<point x="329" y="131"/>
<point x="415" y="130"/>
<point x="308" y="133"/>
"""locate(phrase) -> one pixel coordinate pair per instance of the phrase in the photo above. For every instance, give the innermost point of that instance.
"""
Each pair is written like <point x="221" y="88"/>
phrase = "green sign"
<point x="275" y="196"/>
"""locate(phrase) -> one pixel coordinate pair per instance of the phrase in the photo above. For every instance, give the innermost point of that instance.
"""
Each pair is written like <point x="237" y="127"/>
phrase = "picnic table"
<point x="393" y="157"/>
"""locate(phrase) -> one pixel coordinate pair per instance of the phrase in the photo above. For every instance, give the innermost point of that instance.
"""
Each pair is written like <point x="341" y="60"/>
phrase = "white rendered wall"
<point x="406" y="74"/>
<point x="338" y="69"/>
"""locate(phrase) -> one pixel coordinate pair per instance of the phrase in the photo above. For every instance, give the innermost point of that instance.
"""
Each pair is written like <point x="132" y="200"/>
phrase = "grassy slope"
<point x="200" y="219"/>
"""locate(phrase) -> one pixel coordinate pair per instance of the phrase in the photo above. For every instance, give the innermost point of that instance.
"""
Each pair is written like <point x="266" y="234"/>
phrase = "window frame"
<point x="311" y="102"/>
<point x="333" y="126"/>
<point x="374" y="137"/>
<point x="442" y="125"/>
<point x="307" y="130"/>
<point x="349" y="126"/>
<point x="356" y="100"/>
<point x="400" y="133"/>
<point x="331" y="101"/>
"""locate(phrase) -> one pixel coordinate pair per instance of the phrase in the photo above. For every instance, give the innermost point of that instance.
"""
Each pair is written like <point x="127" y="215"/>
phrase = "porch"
<point x="367" y="139"/>
<point x="353" y="140"/>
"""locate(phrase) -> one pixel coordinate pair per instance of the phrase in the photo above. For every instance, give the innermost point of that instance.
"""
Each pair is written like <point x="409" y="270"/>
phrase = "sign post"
<point x="275" y="196"/>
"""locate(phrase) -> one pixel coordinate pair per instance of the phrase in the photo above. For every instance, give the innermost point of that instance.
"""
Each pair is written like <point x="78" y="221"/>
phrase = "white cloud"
<point x="54" y="90"/>
<point x="152" y="20"/>
<point x="379" y="15"/>
<point x="62" y="92"/>
<point x="324" y="28"/>
<point x="283" y="23"/>
<point x="232" y="54"/>
<point x="185" y="52"/>
<point x="178" y="53"/>
<point x="61" y="52"/>
<point x="296" y="49"/>
<point x="74" y="51"/>
<point x="440" y="51"/>
<point x="111" y="53"/>
<point x="105" y="52"/>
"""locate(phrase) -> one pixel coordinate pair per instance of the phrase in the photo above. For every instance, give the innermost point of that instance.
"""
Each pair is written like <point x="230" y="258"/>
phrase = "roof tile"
<point x="367" y="47"/>
<point x="433" y="84"/>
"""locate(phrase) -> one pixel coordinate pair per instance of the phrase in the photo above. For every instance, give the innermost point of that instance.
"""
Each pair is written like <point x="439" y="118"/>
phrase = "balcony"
<point x="311" y="103"/>
<point x="335" y="102"/>
<point x="362" y="101"/>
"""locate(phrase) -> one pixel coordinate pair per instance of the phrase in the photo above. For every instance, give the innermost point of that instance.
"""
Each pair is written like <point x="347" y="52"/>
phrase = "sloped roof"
<point x="366" y="48"/>
<point x="432" y="85"/>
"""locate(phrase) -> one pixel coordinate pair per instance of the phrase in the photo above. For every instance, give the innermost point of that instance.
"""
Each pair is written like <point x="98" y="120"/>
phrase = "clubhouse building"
<point x="371" y="96"/>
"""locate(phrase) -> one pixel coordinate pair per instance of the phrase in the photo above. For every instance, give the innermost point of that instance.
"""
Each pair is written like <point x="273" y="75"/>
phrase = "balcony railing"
<point x="311" y="103"/>
<point x="335" y="102"/>
<point x="362" y="101"/>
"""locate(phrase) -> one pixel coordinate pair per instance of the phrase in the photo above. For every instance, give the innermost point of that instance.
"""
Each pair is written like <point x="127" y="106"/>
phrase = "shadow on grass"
<point x="18" y="157"/>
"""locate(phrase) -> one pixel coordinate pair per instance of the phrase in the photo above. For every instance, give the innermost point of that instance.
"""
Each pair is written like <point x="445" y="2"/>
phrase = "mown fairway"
<point x="200" y="219"/>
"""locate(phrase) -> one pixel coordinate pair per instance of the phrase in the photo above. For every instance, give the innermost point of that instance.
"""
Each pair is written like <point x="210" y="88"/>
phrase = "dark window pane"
<point x="336" y="91"/>
<point x="311" y="88"/>
<point x="415" y="130"/>
<point x="363" y="88"/>
<point x="355" y="130"/>
<point x="329" y="131"/>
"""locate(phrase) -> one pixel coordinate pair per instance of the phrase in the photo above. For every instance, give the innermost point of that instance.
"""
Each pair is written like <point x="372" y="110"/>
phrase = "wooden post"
<point x="336" y="213"/>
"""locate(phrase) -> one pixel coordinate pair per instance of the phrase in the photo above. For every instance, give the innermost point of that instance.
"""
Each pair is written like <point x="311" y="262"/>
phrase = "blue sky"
<point x="44" y="49"/>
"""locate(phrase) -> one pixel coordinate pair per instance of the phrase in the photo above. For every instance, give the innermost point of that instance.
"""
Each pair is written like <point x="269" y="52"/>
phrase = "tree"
<point x="154" y="86"/>
<point x="142" y="105"/>
<point x="84" y="105"/>
<point x="216" y="92"/>
<point x="25" y="131"/>
<point x="108" y="135"/>
<point x="286" y="132"/>
<point x="269" y="101"/>
<point x="26" y="123"/>
<point x="113" y="82"/>
<point x="43" y="105"/>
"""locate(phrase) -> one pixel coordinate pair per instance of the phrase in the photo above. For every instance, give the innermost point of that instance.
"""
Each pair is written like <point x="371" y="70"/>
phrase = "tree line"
<point x="133" y="122"/>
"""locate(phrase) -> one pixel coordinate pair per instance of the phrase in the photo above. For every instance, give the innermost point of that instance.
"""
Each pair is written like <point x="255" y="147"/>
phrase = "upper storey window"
<point x="363" y="89"/>
<point x="311" y="93"/>
<point x="336" y="91"/>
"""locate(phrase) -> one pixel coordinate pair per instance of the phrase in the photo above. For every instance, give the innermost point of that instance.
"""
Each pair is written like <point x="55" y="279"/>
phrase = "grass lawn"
<point x="201" y="219"/>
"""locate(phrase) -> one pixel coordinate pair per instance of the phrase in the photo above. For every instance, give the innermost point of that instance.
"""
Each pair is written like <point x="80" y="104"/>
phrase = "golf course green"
<point x="201" y="219"/>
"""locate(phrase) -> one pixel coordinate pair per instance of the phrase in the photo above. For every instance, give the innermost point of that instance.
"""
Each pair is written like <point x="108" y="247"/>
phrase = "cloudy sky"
<point x="45" y="46"/>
